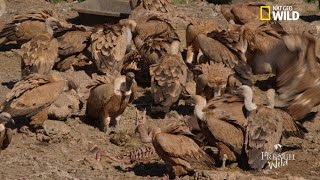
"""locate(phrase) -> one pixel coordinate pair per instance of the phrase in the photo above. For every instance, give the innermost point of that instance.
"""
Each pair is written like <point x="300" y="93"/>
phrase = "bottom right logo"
<point x="277" y="159"/>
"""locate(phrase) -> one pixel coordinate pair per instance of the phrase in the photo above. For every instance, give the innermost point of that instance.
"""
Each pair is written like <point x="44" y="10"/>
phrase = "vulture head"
<point x="53" y="24"/>
<point x="147" y="134"/>
<point x="247" y="93"/>
<point x="130" y="26"/>
<point x="129" y="23"/>
<point x="200" y="103"/>
<point x="122" y="84"/>
<point x="5" y="117"/>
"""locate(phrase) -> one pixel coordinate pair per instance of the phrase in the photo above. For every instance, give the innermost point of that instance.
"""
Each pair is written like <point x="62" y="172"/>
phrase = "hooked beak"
<point x="12" y="121"/>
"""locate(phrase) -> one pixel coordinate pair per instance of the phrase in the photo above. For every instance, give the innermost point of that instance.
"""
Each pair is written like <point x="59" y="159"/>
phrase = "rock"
<point x="66" y="104"/>
<point x="94" y="164"/>
<point x="56" y="128"/>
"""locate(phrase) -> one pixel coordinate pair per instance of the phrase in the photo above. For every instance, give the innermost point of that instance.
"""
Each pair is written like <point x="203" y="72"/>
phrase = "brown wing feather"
<point x="24" y="27"/>
<point x="180" y="150"/>
<point x="108" y="48"/>
<point x="214" y="77"/>
<point x="155" y="26"/>
<point x="98" y="97"/>
<point x="264" y="130"/>
<point x="28" y="83"/>
<point x="39" y="55"/>
<point x="157" y="5"/>
<point x="224" y="129"/>
<point x="216" y="51"/>
<point x="297" y="75"/>
<point x="73" y="42"/>
<point x="290" y="126"/>
<point x="167" y="80"/>
<point x="24" y="98"/>
<point x="243" y="13"/>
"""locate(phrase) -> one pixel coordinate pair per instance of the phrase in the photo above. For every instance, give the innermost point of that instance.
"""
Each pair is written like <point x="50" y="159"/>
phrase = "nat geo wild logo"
<point x="277" y="159"/>
<point x="278" y="13"/>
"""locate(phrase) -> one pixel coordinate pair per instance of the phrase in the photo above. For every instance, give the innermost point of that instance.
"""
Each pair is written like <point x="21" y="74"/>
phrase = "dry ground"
<point x="67" y="155"/>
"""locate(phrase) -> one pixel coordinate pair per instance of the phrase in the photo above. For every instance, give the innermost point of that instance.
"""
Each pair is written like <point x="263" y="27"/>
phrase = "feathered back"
<point x="215" y="73"/>
<point x="264" y="130"/>
<point x="30" y="82"/>
<point x="39" y="55"/>
<point x="154" y="47"/>
<point x="103" y="79"/>
<point x="108" y="47"/>
<point x="35" y="16"/>
<point x="157" y="5"/>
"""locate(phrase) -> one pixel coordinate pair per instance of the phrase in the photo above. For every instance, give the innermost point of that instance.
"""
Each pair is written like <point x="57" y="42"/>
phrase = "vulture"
<point x="217" y="48"/>
<point x="293" y="60"/>
<point x="5" y="133"/>
<point x="109" y="97"/>
<point x="25" y="27"/>
<point x="39" y="55"/>
<point x="157" y="5"/>
<point x="168" y="79"/>
<point x="243" y="13"/>
<point x="223" y="124"/>
<point x="266" y="126"/>
<point x="174" y="146"/>
<point x="153" y="39"/>
<point x="109" y="45"/>
<point x="74" y="47"/>
<point x="32" y="96"/>
<point x="74" y="41"/>
<point x="213" y="80"/>
<point x="195" y="28"/>
<point x="155" y="25"/>
<point x="297" y="75"/>
<point x="255" y="40"/>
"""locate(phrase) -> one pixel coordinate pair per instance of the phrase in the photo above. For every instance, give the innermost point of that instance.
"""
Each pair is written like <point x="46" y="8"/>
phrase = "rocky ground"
<point x="66" y="153"/>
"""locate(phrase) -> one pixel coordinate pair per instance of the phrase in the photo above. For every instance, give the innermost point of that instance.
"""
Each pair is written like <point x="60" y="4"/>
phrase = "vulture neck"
<point x="48" y="23"/>
<point x="120" y="85"/>
<point x="144" y="136"/>
<point x="200" y="104"/>
<point x="129" y="35"/>
<point x="248" y="103"/>
<point x="271" y="94"/>
<point x="175" y="48"/>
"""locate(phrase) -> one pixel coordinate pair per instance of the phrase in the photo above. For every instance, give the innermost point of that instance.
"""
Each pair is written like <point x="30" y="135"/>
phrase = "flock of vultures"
<point x="214" y="73"/>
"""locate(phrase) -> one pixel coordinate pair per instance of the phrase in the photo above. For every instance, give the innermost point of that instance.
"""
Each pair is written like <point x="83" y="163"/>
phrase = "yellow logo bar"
<point x="261" y="14"/>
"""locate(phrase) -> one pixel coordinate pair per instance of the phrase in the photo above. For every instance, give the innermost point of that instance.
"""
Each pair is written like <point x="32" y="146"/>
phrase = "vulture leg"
<point x="118" y="120"/>
<point x="38" y="119"/>
<point x="191" y="53"/>
<point x="224" y="159"/>
<point x="105" y="124"/>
